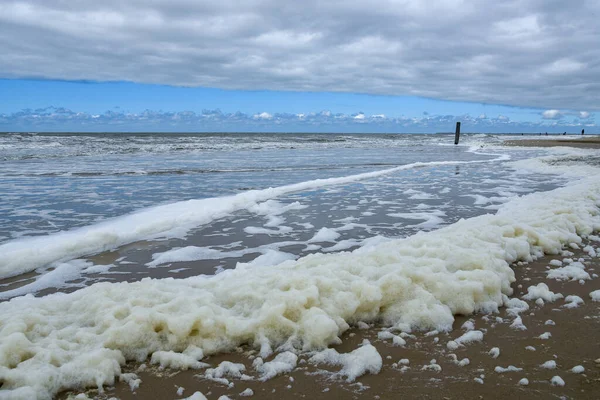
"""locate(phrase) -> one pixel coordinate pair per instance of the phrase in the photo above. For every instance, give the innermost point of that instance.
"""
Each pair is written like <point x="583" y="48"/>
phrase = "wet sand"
<point x="580" y="142"/>
<point x="574" y="341"/>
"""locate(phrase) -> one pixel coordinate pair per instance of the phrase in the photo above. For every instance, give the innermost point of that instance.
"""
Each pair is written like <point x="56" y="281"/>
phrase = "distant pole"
<point x="457" y="134"/>
<point x="582" y="131"/>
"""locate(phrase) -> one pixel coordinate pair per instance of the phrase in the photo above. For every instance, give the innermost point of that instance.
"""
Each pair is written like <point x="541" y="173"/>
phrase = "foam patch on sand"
<point x="282" y="363"/>
<point x="541" y="291"/>
<point x="82" y="339"/>
<point x="365" y="359"/>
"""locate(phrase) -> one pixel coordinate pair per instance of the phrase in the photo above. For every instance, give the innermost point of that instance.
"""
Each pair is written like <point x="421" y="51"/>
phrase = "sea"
<point x="165" y="247"/>
<point x="54" y="184"/>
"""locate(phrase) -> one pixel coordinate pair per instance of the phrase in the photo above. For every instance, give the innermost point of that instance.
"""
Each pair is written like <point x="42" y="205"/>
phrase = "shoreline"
<point x="573" y="342"/>
<point x="423" y="378"/>
<point x="582" y="142"/>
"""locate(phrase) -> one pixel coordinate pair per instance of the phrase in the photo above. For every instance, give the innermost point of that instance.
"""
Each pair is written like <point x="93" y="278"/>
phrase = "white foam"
<point x="515" y="306"/>
<point x="541" y="291"/>
<point x="573" y="271"/>
<point x="432" y="366"/>
<point x="557" y="381"/>
<point x="196" y="396"/>
<point x="555" y="164"/>
<point x="578" y="369"/>
<point x="132" y="380"/>
<point x="572" y="301"/>
<point x="466" y="338"/>
<point x="192" y="253"/>
<point x="510" y="368"/>
<point x="590" y="250"/>
<point x="549" y="365"/>
<point x="419" y="195"/>
<point x="468" y="325"/>
<point x="545" y="336"/>
<point x="57" y="277"/>
<point x="461" y="363"/>
<point x="324" y="235"/>
<point x="170" y="220"/>
<point x="415" y="283"/>
<point x="396" y="340"/>
<point x="189" y="358"/>
<point x="595" y="295"/>
<point x="271" y="257"/>
<point x="282" y="363"/>
<point x="482" y="200"/>
<point x="494" y="352"/>
<point x="431" y="219"/>
<point x="365" y="359"/>
<point x="517" y="324"/>
<point x="343" y="245"/>
<point x="225" y="370"/>
<point x="257" y="230"/>
<point x="195" y="253"/>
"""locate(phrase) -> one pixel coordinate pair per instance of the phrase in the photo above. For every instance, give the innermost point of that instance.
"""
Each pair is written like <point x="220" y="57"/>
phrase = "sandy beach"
<point x="579" y="142"/>
<point x="572" y="341"/>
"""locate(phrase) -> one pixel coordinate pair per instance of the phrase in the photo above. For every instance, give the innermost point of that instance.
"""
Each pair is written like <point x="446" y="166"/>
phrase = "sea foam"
<point x="64" y="341"/>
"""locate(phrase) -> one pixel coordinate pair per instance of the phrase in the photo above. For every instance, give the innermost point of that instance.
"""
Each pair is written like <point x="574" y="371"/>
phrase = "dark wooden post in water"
<point x="582" y="131"/>
<point x="457" y="134"/>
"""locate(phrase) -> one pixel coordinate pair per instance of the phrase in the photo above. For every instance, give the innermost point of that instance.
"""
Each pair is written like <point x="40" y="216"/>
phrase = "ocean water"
<point x="173" y="247"/>
<point x="53" y="184"/>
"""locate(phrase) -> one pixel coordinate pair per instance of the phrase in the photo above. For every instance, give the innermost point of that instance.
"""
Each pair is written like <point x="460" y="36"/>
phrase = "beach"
<point x="582" y="142"/>
<point x="381" y="267"/>
<point x="227" y="200"/>
<point x="573" y="342"/>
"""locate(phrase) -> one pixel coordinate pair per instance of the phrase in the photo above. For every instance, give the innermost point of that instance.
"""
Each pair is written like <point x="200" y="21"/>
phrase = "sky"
<point x="314" y="66"/>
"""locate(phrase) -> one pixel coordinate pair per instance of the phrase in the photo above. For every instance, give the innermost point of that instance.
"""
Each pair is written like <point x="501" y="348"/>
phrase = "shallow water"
<point x="53" y="183"/>
<point x="57" y="182"/>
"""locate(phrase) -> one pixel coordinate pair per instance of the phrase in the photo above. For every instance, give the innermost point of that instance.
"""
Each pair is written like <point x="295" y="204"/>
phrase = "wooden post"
<point x="457" y="134"/>
<point x="582" y="131"/>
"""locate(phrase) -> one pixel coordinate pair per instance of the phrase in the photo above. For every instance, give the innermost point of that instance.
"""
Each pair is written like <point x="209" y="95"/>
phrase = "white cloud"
<point x="584" y="114"/>
<point x="564" y="66"/>
<point x="52" y="118"/>
<point x="263" y="115"/>
<point x="552" y="114"/>
<point x="541" y="54"/>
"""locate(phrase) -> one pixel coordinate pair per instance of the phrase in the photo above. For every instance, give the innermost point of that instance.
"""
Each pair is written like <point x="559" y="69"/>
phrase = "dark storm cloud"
<point x="533" y="53"/>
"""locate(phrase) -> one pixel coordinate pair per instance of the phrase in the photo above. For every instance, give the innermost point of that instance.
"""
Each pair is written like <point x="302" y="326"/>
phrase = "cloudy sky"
<point x="359" y="66"/>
